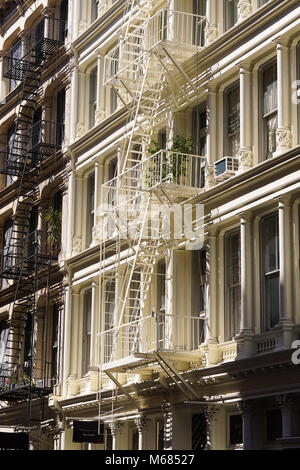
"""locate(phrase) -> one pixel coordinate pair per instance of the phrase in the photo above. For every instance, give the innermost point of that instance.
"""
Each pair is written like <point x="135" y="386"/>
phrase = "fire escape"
<point x="146" y="71"/>
<point x="27" y="257"/>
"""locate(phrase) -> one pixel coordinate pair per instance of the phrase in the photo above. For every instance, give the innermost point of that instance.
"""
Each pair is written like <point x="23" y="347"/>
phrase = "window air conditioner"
<point x="226" y="167"/>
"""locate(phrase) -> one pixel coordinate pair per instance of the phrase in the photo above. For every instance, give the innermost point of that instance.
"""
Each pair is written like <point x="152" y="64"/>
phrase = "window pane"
<point x="270" y="89"/>
<point x="270" y="268"/>
<point x="233" y="286"/>
<point x="236" y="429"/>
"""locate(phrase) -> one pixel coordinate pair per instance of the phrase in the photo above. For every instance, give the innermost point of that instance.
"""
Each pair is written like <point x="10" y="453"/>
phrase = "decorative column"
<point x="100" y="111"/>
<point x="115" y="429"/>
<point x="283" y="133"/>
<point x="211" y="137"/>
<point x="77" y="238"/>
<point x="286" y="403"/>
<point x="244" y="9"/>
<point x="74" y="102"/>
<point x="285" y="263"/>
<point x="247" y="409"/>
<point x="141" y="424"/>
<point x="212" y="296"/>
<point x="81" y="129"/>
<point x="211" y="29"/>
<point x="245" y="154"/>
<point x="71" y="205"/>
<point x="210" y="412"/>
<point x="246" y="283"/>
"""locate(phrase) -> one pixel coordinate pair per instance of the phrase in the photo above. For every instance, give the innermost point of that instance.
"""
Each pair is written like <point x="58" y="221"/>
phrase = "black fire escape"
<point x="27" y="257"/>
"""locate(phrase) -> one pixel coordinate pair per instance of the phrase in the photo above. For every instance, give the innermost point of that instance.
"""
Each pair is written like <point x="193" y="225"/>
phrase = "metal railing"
<point x="24" y="375"/>
<point x="46" y="137"/>
<point x="149" y="334"/>
<point x="22" y="256"/>
<point x="184" y="29"/>
<point x="183" y="32"/>
<point x="43" y="39"/>
<point x="163" y="167"/>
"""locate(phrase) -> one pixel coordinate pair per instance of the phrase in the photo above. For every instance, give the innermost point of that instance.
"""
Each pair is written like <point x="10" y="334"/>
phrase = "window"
<point x="90" y="209"/>
<point x="7" y="259"/>
<point x="60" y="117"/>
<point x="199" y="132"/>
<point x="86" y="330"/>
<point x="54" y="342"/>
<point x="232" y="284"/>
<point x="11" y="152"/>
<point x="198" y="293"/>
<point x="269" y="109"/>
<point x="298" y="89"/>
<point x="109" y="317"/>
<point x="63" y="14"/>
<point x="36" y="139"/>
<point x="235" y="429"/>
<point x="16" y="55"/>
<point x="93" y="97"/>
<point x="3" y="339"/>
<point x="199" y="8"/>
<point x="270" y="271"/>
<point x="274" y="424"/>
<point x="161" y="301"/>
<point x="94" y="10"/>
<point x="231" y="13"/>
<point x="159" y="434"/>
<point x="232" y="120"/>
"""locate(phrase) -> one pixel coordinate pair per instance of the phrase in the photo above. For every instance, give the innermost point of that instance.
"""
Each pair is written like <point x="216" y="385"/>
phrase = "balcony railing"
<point x="44" y="140"/>
<point x="16" y="384"/>
<point x="164" y="167"/>
<point x="21" y="258"/>
<point x="184" y="30"/>
<point x="162" y="332"/>
<point x="43" y="42"/>
<point x="180" y="33"/>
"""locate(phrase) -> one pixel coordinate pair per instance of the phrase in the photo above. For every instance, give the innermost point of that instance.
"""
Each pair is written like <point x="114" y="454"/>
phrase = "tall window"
<point x="298" y="89"/>
<point x="199" y="119"/>
<point x="54" y="342"/>
<point x="232" y="284"/>
<point x="269" y="109"/>
<point x="86" y="331"/>
<point x="232" y="109"/>
<point x="11" y="151"/>
<point x="199" y="8"/>
<point x="161" y="301"/>
<point x="90" y="208"/>
<point x="270" y="271"/>
<point x="7" y="248"/>
<point x="63" y="14"/>
<point x="231" y="13"/>
<point x="94" y="10"/>
<point x="3" y="338"/>
<point x="60" y="117"/>
<point x="93" y="96"/>
<point x="198" y="293"/>
<point x="16" y="55"/>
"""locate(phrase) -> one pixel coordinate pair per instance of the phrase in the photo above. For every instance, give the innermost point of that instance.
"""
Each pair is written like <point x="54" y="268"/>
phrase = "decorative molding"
<point x="80" y="130"/>
<point x="141" y="424"/>
<point x="244" y="9"/>
<point x="283" y="139"/>
<point x="245" y="159"/>
<point x="211" y="34"/>
<point x="76" y="245"/>
<point x="99" y="115"/>
<point x="82" y="27"/>
<point x="210" y="179"/>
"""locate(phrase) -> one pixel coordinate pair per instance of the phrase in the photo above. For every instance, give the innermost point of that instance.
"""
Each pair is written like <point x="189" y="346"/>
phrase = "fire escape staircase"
<point x="24" y="256"/>
<point x="139" y="71"/>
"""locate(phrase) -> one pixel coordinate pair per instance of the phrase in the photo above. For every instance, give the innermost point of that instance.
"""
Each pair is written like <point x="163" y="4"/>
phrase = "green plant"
<point x="169" y="163"/>
<point x="53" y="218"/>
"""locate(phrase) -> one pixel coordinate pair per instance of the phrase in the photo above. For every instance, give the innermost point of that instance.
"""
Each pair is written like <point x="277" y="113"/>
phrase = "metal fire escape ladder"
<point x="17" y="264"/>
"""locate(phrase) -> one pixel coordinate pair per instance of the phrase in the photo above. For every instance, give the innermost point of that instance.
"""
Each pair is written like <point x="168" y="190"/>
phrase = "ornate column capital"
<point x="244" y="9"/>
<point x="211" y="34"/>
<point x="115" y="428"/>
<point x="210" y="179"/>
<point x="283" y="139"/>
<point x="210" y="412"/>
<point x="141" y="423"/>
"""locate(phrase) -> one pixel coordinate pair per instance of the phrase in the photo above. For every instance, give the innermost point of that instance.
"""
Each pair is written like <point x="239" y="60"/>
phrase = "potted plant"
<point x="54" y="221"/>
<point x="173" y="163"/>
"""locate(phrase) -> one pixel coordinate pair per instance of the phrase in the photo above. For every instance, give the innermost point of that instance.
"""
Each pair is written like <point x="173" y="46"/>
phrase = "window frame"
<point x="86" y="331"/>
<point x="230" y="328"/>
<point x="264" y="317"/>
<point x="228" y="138"/>
<point x="265" y="117"/>
<point x="90" y="208"/>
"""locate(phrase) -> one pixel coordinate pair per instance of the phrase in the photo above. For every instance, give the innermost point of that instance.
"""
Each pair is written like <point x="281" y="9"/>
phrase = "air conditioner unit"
<point x="226" y="167"/>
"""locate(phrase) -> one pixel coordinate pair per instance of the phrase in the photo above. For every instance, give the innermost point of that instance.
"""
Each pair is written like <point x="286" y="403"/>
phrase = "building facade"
<point x="177" y="277"/>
